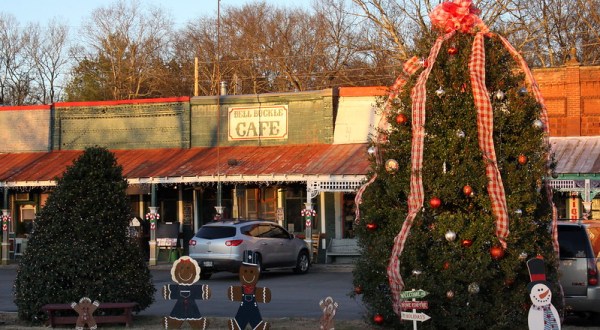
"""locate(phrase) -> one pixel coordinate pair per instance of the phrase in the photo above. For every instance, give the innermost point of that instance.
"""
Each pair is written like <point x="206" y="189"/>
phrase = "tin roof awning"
<point x="282" y="163"/>
<point x="577" y="157"/>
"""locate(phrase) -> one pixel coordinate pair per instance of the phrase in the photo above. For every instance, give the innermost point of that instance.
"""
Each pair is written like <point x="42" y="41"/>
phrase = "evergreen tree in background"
<point x="79" y="246"/>
<point x="453" y="250"/>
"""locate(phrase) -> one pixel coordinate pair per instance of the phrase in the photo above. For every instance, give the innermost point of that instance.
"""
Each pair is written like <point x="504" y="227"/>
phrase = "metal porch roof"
<point x="577" y="154"/>
<point x="233" y="164"/>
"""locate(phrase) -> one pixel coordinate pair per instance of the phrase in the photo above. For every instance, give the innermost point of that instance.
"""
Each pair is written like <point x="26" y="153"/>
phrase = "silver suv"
<point x="218" y="246"/>
<point x="579" y="246"/>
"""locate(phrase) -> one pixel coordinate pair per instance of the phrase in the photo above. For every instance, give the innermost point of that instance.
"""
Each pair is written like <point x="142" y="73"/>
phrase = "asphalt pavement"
<point x="293" y="295"/>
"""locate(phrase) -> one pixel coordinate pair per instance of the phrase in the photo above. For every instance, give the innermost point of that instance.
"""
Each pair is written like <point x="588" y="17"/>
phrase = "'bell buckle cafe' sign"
<point x="254" y="123"/>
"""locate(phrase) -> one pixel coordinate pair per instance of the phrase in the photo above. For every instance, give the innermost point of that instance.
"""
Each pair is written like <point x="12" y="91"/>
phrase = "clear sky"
<point x="73" y="11"/>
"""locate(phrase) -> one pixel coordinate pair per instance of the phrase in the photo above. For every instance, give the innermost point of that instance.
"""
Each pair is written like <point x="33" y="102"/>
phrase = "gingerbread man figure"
<point x="249" y="295"/>
<point x="85" y="309"/>
<point x="185" y="272"/>
<point x="329" y="307"/>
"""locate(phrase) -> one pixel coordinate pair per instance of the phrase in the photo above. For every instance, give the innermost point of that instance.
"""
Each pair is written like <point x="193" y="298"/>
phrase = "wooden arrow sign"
<point x="413" y="294"/>
<point x="415" y="316"/>
<point x="415" y="305"/>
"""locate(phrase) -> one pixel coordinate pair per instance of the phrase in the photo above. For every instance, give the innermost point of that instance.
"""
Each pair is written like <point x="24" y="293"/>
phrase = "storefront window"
<point x="348" y="215"/>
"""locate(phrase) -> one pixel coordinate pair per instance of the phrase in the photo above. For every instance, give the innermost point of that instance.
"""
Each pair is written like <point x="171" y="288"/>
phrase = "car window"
<point x="278" y="232"/>
<point x="594" y="234"/>
<point x="573" y="242"/>
<point x="251" y="230"/>
<point x="212" y="232"/>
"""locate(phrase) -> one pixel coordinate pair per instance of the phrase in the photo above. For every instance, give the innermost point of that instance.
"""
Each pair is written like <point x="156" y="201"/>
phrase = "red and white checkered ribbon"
<point x="485" y="129"/>
<point x="409" y="67"/>
<point x="415" y="198"/>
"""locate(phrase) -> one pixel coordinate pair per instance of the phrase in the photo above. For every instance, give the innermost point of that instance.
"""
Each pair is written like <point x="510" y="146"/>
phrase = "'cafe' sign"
<point x="254" y="123"/>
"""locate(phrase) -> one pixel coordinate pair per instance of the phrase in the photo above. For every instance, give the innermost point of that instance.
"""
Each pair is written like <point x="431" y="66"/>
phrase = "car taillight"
<point x="234" y="242"/>
<point x="192" y="242"/>
<point x="592" y="273"/>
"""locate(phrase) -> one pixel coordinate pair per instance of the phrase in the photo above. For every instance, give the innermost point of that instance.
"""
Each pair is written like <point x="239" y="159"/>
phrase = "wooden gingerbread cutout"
<point x="185" y="272"/>
<point x="329" y="307"/>
<point x="85" y="310"/>
<point x="249" y="295"/>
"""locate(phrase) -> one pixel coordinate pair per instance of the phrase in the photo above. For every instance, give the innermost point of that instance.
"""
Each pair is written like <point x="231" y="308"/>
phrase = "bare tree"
<point x="47" y="50"/>
<point x="133" y="42"/>
<point x="15" y="69"/>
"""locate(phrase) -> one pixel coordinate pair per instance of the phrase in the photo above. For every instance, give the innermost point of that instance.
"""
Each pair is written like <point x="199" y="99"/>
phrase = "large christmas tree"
<point x="79" y="246"/>
<point x="456" y="202"/>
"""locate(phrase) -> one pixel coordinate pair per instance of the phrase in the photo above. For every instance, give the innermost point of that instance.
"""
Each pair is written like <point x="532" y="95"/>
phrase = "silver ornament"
<point x="440" y="92"/>
<point x="449" y="294"/>
<point x="460" y="134"/>
<point x="416" y="272"/>
<point x="522" y="256"/>
<point x="522" y="91"/>
<point x="538" y="124"/>
<point x="474" y="288"/>
<point x="499" y="95"/>
<point x="371" y="150"/>
<point x="450" y="236"/>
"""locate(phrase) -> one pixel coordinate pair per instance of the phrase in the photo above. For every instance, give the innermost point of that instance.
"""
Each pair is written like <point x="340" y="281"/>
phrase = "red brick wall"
<point x="572" y="95"/>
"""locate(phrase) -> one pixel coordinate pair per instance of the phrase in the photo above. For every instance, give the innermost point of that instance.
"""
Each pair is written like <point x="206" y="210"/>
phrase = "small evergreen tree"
<point x="453" y="250"/>
<point x="79" y="246"/>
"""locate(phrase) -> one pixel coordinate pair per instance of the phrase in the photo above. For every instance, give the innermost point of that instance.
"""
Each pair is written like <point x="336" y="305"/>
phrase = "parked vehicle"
<point x="219" y="246"/>
<point x="579" y="247"/>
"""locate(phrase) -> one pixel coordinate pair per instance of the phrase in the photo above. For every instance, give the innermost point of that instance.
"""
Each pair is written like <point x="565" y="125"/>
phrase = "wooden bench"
<point x="125" y="317"/>
<point x="342" y="248"/>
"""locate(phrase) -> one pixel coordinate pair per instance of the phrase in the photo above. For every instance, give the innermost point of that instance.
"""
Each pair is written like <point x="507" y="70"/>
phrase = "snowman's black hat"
<point x="249" y="257"/>
<point x="537" y="272"/>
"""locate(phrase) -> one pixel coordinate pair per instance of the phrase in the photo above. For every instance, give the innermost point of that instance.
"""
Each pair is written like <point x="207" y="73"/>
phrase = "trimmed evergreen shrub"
<point x="80" y="245"/>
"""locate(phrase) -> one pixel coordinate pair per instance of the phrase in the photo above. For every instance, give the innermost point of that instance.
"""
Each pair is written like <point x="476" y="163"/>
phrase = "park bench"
<point x="125" y="317"/>
<point x="340" y="250"/>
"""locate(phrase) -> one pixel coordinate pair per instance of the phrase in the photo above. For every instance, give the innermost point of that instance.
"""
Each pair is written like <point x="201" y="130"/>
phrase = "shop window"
<point x="22" y="196"/>
<point x="258" y="203"/>
<point x="268" y="203"/>
<point x="26" y="218"/>
<point x="348" y="215"/>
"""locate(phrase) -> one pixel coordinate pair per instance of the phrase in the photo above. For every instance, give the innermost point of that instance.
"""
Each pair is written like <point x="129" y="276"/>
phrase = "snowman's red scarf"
<point x="485" y="134"/>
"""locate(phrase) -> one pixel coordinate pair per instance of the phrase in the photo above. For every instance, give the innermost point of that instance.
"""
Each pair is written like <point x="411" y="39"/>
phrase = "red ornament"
<point x="467" y="190"/>
<point x="401" y="119"/>
<point x="496" y="252"/>
<point x="435" y="202"/>
<point x="446" y="265"/>
<point x="452" y="50"/>
<point x="378" y="319"/>
<point x="466" y="242"/>
<point x="358" y="289"/>
<point x="371" y="226"/>
<point x="522" y="159"/>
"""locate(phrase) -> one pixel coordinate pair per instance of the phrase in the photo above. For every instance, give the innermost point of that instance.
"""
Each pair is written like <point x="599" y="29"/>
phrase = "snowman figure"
<point x="542" y="314"/>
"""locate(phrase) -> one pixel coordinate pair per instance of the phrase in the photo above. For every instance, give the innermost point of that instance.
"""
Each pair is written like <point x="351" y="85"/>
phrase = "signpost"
<point x="414" y="305"/>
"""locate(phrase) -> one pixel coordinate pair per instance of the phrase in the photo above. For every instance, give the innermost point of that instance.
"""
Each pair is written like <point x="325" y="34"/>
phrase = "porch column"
<point x="5" y="228"/>
<point x="152" y="218"/>
<point x="311" y="192"/>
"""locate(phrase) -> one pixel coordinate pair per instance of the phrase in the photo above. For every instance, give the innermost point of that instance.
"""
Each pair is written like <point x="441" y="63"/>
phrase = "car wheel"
<point x="205" y="275"/>
<point x="302" y="263"/>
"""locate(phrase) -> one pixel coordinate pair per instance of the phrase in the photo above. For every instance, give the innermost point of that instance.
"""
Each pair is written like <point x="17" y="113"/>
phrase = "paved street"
<point x="292" y="295"/>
